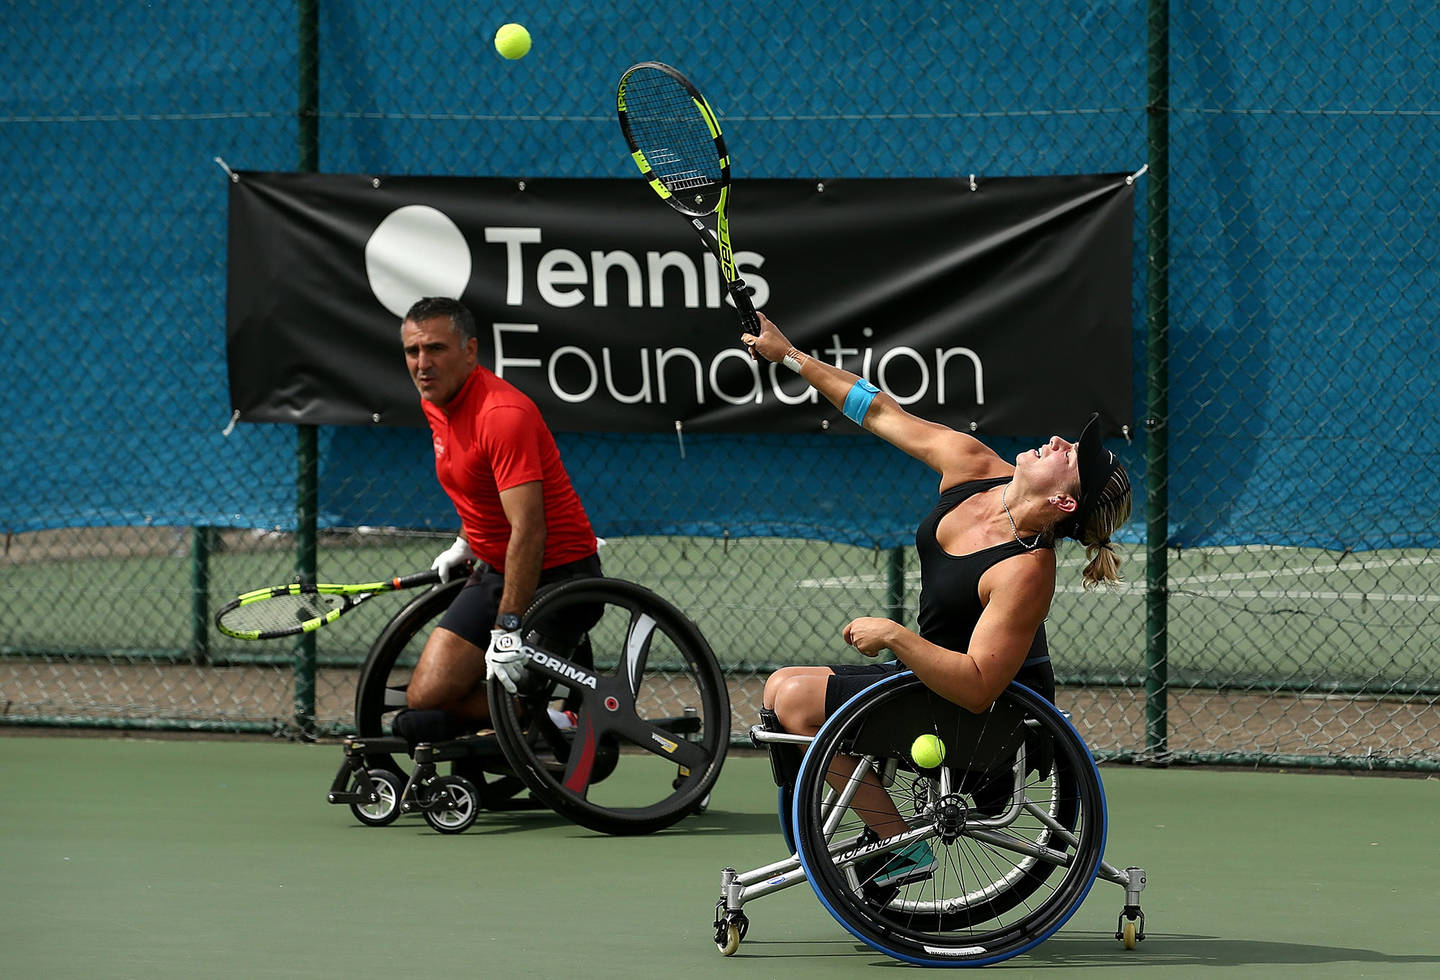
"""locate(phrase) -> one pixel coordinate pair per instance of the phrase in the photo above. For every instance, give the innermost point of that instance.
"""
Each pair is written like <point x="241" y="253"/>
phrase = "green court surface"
<point x="187" y="858"/>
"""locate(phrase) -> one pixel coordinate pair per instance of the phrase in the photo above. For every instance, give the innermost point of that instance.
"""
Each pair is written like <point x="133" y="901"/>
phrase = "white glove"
<point x="506" y="658"/>
<point x="457" y="554"/>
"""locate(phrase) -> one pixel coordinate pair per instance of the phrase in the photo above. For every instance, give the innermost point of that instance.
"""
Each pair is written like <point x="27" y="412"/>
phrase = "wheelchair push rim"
<point x="1014" y="818"/>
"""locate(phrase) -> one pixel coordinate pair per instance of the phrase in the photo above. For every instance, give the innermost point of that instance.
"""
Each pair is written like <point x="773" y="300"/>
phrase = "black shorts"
<point x="849" y="680"/>
<point x="472" y="615"/>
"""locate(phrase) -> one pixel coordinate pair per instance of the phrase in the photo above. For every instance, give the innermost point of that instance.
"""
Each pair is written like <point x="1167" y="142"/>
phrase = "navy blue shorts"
<point x="472" y="615"/>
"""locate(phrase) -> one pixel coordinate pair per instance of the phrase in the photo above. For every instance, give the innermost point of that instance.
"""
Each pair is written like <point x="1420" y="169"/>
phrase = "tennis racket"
<point x="288" y="610"/>
<point x="675" y="140"/>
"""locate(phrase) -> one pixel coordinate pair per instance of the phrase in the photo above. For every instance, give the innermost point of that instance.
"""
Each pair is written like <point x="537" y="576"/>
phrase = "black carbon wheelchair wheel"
<point x="386" y="672"/>
<point x="1014" y="819"/>
<point x="652" y="713"/>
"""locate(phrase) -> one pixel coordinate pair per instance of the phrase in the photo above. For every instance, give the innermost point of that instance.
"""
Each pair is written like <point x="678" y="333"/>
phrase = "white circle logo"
<point x="415" y="252"/>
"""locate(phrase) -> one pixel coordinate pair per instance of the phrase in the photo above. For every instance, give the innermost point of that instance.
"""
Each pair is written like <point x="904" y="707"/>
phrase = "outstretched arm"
<point x="937" y="446"/>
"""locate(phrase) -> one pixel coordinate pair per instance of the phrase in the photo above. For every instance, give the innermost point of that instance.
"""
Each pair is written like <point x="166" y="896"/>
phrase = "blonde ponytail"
<point x="1112" y="509"/>
<point x="1103" y="566"/>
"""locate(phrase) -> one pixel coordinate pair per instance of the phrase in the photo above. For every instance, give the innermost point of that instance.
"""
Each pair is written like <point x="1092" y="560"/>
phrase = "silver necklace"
<point x="1028" y="547"/>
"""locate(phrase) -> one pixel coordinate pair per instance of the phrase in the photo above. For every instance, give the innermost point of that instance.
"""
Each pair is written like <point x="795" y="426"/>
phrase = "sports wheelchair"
<point x="623" y="732"/>
<point x="1004" y="838"/>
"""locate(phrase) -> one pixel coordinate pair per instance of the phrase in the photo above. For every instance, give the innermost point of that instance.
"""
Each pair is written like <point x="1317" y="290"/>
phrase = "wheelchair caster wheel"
<point x="386" y="807"/>
<point x="1131" y="927"/>
<point x="730" y="931"/>
<point x="454" y="805"/>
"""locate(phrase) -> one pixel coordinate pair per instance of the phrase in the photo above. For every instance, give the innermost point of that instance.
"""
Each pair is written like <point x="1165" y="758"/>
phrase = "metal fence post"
<point x="200" y="595"/>
<point x="896" y="593"/>
<point x="1157" y="509"/>
<point x="307" y="480"/>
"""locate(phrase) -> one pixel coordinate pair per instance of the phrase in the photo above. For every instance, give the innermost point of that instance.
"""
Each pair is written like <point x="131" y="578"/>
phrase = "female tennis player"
<point x="987" y="566"/>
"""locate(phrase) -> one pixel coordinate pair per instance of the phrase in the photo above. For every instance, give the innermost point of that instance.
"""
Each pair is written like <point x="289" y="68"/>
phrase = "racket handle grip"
<point x="427" y="577"/>
<point x="740" y="293"/>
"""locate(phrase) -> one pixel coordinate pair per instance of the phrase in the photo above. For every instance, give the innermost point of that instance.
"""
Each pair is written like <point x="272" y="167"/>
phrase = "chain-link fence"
<point x="1282" y="574"/>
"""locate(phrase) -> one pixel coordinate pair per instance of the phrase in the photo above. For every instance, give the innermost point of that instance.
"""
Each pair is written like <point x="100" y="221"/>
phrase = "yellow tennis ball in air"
<point x="512" y="41"/>
<point x="927" y="751"/>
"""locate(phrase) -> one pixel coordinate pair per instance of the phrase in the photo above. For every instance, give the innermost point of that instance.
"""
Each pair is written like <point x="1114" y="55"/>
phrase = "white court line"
<point x="1300" y="595"/>
<point x="912" y="578"/>
<point x="1358" y="566"/>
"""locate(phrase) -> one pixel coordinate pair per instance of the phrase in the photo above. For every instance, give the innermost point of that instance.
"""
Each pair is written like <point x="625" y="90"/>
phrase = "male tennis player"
<point x="519" y="515"/>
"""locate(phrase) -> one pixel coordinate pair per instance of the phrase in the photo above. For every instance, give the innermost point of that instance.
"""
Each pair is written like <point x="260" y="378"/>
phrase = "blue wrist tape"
<point x="858" y="399"/>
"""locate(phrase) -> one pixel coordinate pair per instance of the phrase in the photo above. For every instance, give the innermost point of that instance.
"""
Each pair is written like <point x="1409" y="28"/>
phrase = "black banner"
<point x="1000" y="306"/>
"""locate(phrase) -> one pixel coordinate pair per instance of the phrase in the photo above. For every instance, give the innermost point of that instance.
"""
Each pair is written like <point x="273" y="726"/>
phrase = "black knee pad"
<point x="416" y="726"/>
<point x="784" y="759"/>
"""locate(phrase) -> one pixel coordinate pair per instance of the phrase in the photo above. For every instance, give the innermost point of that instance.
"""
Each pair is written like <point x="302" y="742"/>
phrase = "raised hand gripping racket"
<point x="675" y="140"/>
<point x="288" y="610"/>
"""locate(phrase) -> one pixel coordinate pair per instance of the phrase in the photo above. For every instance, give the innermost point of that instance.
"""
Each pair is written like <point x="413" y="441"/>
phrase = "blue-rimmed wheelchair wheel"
<point x="652" y="712"/>
<point x="1013" y="859"/>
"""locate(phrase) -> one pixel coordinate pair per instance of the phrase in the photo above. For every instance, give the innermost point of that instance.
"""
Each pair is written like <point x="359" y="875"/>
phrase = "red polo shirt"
<point x="489" y="438"/>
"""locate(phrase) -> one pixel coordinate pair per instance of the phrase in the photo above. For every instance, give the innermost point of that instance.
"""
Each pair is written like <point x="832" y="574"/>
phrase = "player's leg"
<point x="450" y="674"/>
<point x="449" y="677"/>
<point x="785" y="759"/>
<point x="872" y="800"/>
<point x="803" y="697"/>
<point x="797" y="696"/>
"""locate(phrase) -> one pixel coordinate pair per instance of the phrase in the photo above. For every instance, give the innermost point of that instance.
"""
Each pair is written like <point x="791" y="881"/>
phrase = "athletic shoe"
<point x="912" y="864"/>
<point x="565" y="721"/>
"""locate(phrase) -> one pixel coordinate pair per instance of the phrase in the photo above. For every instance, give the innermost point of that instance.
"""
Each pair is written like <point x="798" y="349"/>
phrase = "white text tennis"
<point x="561" y="276"/>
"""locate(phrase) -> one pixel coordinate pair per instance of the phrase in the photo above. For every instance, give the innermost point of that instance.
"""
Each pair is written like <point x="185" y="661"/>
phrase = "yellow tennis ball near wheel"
<point x="512" y="41"/>
<point x="927" y="751"/>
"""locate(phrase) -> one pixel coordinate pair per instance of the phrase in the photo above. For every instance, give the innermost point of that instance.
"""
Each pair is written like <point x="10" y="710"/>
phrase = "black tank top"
<point x="950" y="585"/>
